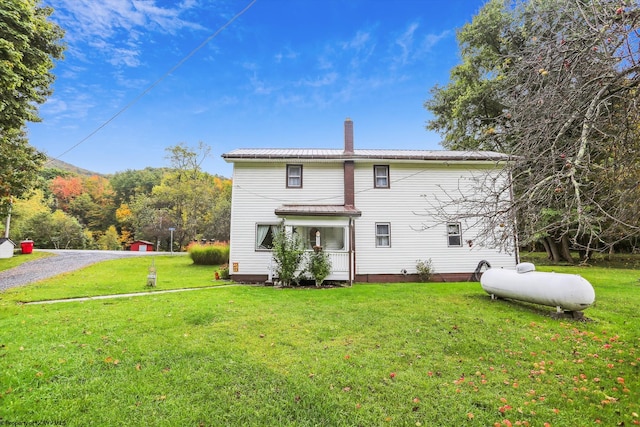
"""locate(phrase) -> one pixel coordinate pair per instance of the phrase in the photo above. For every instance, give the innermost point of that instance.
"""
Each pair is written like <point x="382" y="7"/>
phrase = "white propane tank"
<point x="564" y="291"/>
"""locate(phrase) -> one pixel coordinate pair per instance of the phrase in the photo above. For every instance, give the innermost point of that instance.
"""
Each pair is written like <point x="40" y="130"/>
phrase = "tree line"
<point x="554" y="83"/>
<point x="67" y="210"/>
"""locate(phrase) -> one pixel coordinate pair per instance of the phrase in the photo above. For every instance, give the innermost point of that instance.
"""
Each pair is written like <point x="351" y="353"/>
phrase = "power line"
<point x="154" y="84"/>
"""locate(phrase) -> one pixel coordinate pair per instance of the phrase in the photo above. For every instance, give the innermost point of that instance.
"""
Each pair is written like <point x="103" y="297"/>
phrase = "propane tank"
<point x="564" y="291"/>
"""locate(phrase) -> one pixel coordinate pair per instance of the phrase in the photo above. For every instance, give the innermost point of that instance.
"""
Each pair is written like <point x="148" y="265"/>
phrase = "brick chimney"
<point x="349" y="166"/>
<point x="348" y="136"/>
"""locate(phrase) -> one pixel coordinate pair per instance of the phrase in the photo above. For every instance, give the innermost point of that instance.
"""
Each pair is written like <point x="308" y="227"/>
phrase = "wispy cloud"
<point x="321" y="81"/>
<point x="405" y="42"/>
<point x="259" y="86"/>
<point x="101" y="23"/>
<point x="411" y="45"/>
<point x="287" y="53"/>
<point x="123" y="56"/>
<point x="359" y="48"/>
<point x="430" y="40"/>
<point x="73" y="105"/>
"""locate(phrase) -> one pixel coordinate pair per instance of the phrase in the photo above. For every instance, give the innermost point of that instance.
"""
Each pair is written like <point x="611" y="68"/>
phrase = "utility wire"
<point x="154" y="84"/>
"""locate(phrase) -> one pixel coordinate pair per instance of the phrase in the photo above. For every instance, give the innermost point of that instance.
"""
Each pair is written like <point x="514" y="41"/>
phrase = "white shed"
<point x="6" y="247"/>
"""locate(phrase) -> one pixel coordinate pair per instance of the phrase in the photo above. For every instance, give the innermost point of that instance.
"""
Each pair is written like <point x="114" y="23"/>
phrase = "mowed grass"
<point x="373" y="355"/>
<point x="121" y="276"/>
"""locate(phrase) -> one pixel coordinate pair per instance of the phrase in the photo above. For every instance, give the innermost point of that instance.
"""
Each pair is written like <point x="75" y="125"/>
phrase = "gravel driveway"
<point x="63" y="262"/>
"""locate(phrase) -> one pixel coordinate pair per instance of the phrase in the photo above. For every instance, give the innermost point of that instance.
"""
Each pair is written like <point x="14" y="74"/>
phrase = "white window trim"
<point x="273" y="230"/>
<point x="458" y="234"/>
<point x="296" y="167"/>
<point x="388" y="235"/>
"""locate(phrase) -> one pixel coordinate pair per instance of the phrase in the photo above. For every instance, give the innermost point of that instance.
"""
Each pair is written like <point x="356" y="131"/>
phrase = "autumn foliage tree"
<point x="66" y="190"/>
<point x="108" y="212"/>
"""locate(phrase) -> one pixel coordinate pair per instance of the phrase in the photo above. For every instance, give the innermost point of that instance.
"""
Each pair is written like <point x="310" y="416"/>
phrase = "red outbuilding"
<point x="141" y="246"/>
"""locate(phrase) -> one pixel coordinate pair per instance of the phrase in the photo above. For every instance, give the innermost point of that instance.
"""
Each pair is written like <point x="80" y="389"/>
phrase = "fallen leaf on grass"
<point x="111" y="361"/>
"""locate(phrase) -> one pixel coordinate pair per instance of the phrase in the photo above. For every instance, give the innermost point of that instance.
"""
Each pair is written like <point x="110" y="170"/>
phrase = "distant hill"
<point x="59" y="164"/>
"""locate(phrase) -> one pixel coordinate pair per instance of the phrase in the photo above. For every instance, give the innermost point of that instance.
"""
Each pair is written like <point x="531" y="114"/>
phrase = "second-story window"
<point x="294" y="176"/>
<point x="381" y="176"/>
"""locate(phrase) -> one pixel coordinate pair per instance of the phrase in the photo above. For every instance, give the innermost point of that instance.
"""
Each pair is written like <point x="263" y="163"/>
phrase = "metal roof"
<point x="318" y="210"/>
<point x="327" y="154"/>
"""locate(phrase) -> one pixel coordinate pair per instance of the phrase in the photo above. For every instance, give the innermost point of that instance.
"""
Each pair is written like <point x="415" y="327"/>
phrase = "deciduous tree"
<point x="186" y="193"/>
<point x="559" y="91"/>
<point x="29" y="44"/>
<point x="56" y="230"/>
<point x="66" y="190"/>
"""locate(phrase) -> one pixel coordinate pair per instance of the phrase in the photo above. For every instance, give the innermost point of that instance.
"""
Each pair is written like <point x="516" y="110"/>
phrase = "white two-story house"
<point x="364" y="207"/>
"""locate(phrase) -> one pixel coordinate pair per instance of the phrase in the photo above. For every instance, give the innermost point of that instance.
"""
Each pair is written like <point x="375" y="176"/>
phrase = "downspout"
<point x="352" y="251"/>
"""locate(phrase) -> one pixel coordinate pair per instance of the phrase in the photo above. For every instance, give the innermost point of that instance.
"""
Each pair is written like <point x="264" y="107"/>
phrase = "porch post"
<point x="352" y="252"/>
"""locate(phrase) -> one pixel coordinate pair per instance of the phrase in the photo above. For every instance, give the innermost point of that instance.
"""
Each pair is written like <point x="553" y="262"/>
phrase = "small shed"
<point x="141" y="246"/>
<point x="6" y="247"/>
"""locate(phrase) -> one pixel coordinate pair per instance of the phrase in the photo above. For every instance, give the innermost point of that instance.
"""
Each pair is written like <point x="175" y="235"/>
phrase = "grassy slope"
<point x="406" y="354"/>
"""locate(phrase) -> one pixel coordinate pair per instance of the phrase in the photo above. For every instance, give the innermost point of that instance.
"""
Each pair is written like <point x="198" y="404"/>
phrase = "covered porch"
<point x="329" y="227"/>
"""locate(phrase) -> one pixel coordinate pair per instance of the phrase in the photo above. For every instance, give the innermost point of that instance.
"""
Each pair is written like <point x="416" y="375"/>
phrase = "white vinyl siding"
<point x="415" y="235"/>
<point x="258" y="189"/>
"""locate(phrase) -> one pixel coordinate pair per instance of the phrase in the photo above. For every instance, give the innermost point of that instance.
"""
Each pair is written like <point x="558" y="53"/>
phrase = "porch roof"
<point x="318" y="210"/>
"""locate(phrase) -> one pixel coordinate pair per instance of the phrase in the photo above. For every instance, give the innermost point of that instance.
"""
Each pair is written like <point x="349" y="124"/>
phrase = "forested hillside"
<point x="76" y="209"/>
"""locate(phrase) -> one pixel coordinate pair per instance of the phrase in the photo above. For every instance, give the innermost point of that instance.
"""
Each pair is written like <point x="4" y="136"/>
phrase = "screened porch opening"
<point x="329" y="238"/>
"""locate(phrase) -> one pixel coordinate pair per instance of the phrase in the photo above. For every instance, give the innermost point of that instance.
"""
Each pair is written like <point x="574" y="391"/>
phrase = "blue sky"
<point x="285" y="74"/>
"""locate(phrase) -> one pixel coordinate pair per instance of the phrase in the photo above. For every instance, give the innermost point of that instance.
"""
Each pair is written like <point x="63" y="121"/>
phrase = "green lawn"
<point x="121" y="276"/>
<point x="401" y="354"/>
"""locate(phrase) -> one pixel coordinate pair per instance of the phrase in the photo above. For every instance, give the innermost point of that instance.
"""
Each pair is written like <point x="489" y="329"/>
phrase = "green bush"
<point x="224" y="272"/>
<point x="319" y="266"/>
<point x="209" y="254"/>
<point x="288" y="255"/>
<point x="424" y="269"/>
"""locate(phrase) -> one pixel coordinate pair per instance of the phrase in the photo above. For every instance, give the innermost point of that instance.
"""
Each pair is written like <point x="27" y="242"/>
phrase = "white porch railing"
<point x="339" y="265"/>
